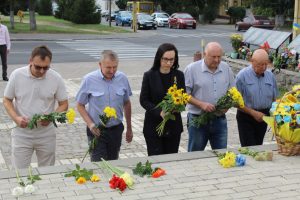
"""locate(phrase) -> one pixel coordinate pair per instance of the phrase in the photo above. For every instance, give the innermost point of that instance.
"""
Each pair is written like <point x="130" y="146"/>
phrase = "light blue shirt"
<point x="206" y="85"/>
<point x="98" y="93"/>
<point x="258" y="91"/>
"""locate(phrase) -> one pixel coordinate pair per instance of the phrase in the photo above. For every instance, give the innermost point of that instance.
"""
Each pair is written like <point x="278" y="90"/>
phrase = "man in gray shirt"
<point x="206" y="81"/>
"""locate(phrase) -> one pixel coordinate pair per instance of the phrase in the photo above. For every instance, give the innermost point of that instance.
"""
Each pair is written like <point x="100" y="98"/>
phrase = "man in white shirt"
<point x="4" y="49"/>
<point x="34" y="89"/>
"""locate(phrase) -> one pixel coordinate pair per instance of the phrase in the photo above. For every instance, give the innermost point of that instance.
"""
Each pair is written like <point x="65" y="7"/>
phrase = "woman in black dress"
<point x="156" y="83"/>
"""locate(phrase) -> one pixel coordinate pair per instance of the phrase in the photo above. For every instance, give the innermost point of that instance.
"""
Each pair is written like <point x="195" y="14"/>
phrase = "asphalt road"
<point x="186" y="40"/>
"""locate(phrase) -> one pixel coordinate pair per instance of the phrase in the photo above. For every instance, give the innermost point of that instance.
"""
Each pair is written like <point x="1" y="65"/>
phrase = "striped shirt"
<point x="206" y="85"/>
<point x="258" y="91"/>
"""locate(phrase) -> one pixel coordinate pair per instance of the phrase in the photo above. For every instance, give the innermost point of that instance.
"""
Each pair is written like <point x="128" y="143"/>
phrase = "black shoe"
<point x="5" y="78"/>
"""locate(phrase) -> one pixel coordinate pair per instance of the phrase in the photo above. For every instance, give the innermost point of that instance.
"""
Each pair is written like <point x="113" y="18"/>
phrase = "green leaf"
<point x="77" y="167"/>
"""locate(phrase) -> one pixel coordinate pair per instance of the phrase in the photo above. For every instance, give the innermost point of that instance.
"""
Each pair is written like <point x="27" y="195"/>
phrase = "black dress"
<point x="154" y="88"/>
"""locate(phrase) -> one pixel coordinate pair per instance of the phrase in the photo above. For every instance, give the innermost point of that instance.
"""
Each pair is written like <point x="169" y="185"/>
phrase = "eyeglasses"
<point x="166" y="60"/>
<point x="39" y="68"/>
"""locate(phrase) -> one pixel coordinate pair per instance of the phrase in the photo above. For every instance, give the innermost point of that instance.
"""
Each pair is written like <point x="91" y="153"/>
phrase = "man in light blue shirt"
<point x="259" y="89"/>
<point x="207" y="81"/>
<point x="99" y="89"/>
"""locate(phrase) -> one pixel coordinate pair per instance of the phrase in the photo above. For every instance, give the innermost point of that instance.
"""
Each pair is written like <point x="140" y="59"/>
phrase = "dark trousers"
<point x="108" y="144"/>
<point x="3" y="54"/>
<point x="251" y="132"/>
<point x="162" y="145"/>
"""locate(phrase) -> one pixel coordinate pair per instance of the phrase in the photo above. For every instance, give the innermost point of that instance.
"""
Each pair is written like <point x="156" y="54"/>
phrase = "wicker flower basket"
<point x="285" y="147"/>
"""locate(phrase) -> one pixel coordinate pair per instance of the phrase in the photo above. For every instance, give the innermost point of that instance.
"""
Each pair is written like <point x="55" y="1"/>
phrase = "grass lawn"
<point x="50" y="24"/>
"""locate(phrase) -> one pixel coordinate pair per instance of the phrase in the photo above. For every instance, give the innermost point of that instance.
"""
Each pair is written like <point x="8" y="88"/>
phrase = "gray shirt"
<point x="206" y="85"/>
<point x="258" y="91"/>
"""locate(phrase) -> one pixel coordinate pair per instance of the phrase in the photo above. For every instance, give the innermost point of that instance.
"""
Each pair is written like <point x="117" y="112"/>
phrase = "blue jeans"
<point x="215" y="131"/>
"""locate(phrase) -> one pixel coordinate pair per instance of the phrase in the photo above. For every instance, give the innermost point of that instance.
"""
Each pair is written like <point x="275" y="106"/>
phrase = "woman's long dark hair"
<point x="163" y="48"/>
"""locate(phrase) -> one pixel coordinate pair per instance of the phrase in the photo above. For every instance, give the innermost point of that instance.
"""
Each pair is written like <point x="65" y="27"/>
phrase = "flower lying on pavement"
<point x="25" y="186"/>
<point x="17" y="191"/>
<point x="146" y="169"/>
<point x="230" y="159"/>
<point x="258" y="156"/>
<point x="119" y="177"/>
<point x="82" y="175"/>
<point x="29" y="189"/>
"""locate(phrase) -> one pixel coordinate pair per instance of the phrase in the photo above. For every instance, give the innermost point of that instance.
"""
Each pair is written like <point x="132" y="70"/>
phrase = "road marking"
<point x="125" y="50"/>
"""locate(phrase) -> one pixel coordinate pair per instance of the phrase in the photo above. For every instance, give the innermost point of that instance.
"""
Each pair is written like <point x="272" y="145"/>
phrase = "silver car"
<point x="160" y="18"/>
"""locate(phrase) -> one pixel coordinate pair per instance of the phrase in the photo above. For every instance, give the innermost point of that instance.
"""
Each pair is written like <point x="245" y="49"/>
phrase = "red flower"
<point x="117" y="183"/>
<point x="159" y="172"/>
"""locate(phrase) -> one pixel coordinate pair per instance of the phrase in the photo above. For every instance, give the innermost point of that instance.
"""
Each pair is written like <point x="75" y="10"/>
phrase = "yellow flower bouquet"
<point x="236" y="41"/>
<point x="285" y="122"/>
<point x="232" y="98"/>
<point x="174" y="101"/>
<point x="54" y="117"/>
<point x="108" y="113"/>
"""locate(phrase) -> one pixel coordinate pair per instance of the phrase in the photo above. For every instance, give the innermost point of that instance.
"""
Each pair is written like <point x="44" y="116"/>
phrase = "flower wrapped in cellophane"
<point x="174" y="101"/>
<point x="230" y="159"/>
<point x="232" y="98"/>
<point x="54" y="117"/>
<point x="285" y="116"/>
<point x="108" y="113"/>
<point x="120" y="179"/>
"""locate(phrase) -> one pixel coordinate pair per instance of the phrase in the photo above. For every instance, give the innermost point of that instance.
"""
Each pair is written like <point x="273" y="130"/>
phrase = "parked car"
<point x="161" y="18"/>
<point x="145" y="21"/>
<point x="123" y="17"/>
<point x="182" y="20"/>
<point x="255" y="21"/>
<point x="112" y="15"/>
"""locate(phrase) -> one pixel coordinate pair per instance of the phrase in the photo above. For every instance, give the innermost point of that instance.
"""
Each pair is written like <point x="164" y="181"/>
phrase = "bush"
<point x="236" y="13"/>
<point x="44" y="7"/>
<point x="209" y="14"/>
<point x="64" y="10"/>
<point x="263" y="11"/>
<point x="84" y="12"/>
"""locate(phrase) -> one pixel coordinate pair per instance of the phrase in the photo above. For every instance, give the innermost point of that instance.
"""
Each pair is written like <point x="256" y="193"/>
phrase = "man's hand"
<point x="129" y="135"/>
<point x="45" y="122"/>
<point x="162" y="114"/>
<point x="95" y="131"/>
<point x="22" y="121"/>
<point x="207" y="107"/>
<point x="258" y="116"/>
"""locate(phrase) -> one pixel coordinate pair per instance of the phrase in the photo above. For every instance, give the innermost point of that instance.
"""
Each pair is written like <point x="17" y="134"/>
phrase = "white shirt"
<point x="33" y="95"/>
<point x="4" y="36"/>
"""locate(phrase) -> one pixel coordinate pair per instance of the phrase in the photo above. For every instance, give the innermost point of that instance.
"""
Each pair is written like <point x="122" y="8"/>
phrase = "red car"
<point x="255" y="21"/>
<point x="182" y="20"/>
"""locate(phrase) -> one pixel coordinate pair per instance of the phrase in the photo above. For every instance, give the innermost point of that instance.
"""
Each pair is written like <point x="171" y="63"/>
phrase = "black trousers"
<point x="108" y="144"/>
<point x="162" y="145"/>
<point x="3" y="54"/>
<point x="251" y="132"/>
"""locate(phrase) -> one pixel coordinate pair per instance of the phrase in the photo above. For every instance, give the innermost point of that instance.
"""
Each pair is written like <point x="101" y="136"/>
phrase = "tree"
<point x="32" y="20"/>
<point x="122" y="4"/>
<point x="64" y="10"/>
<point x="44" y="7"/>
<point x="84" y="12"/>
<point x="11" y="13"/>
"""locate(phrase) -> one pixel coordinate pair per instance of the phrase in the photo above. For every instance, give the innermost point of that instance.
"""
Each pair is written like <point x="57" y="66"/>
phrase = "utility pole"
<point x="109" y="13"/>
<point x="134" y="16"/>
<point x="296" y="18"/>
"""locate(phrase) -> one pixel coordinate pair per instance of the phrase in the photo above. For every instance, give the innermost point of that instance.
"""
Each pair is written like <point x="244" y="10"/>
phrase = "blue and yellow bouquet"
<point x="285" y="122"/>
<point x="285" y="116"/>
